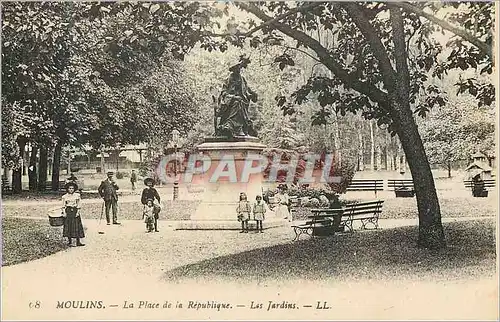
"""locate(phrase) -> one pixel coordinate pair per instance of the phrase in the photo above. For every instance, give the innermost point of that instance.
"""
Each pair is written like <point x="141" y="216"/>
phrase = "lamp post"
<point x="175" y="141"/>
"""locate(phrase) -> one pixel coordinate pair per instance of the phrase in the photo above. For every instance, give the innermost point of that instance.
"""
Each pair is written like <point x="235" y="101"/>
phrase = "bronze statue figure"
<point x="232" y="118"/>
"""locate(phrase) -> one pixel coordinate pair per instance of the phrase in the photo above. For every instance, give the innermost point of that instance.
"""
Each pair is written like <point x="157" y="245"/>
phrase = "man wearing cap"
<point x="107" y="191"/>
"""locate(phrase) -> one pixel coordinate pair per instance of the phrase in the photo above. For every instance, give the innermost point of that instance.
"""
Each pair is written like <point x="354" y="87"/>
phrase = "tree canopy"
<point x="102" y="60"/>
<point x="73" y="73"/>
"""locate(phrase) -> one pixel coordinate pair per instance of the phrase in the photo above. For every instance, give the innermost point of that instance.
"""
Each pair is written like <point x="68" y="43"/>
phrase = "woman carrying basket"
<point x="73" y="227"/>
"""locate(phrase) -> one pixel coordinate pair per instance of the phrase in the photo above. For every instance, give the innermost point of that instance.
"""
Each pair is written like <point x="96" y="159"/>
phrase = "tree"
<point x="371" y="61"/>
<point x="443" y="140"/>
<point x="65" y="67"/>
<point x="458" y="129"/>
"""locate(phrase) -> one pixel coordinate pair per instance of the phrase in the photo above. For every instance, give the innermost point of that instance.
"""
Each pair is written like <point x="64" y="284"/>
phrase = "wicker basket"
<point x="55" y="217"/>
<point x="56" y="221"/>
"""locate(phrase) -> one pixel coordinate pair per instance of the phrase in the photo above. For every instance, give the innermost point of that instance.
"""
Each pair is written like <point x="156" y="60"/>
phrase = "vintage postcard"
<point x="220" y="160"/>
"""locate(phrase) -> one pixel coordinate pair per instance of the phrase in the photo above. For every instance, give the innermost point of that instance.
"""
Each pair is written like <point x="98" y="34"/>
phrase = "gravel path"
<point x="127" y="264"/>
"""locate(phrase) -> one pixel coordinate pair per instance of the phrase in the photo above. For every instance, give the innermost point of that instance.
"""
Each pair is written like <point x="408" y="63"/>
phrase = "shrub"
<point x="314" y="202"/>
<point x="345" y="169"/>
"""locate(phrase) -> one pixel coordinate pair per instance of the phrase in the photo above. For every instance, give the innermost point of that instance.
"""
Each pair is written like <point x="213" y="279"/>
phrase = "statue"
<point x="231" y="118"/>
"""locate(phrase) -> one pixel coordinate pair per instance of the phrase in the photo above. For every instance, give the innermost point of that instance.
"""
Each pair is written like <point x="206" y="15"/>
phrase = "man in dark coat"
<point x="107" y="191"/>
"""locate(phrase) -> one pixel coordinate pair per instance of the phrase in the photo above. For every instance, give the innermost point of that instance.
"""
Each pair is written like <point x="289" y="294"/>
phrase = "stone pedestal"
<point x="221" y="193"/>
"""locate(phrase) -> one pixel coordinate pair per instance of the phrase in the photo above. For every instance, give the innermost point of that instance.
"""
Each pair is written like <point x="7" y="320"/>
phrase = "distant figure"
<point x="282" y="201"/>
<point x="73" y="227"/>
<point x="477" y="185"/>
<point x="259" y="212"/>
<point x="107" y="191"/>
<point x="72" y="178"/>
<point x="243" y="210"/>
<point x="151" y="193"/>
<point x="133" y="179"/>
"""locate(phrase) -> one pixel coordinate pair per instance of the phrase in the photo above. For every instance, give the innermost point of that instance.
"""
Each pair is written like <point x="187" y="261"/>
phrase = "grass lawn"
<point x="178" y="210"/>
<point x="394" y="208"/>
<point x="386" y="254"/>
<point x="403" y="208"/>
<point x="25" y="239"/>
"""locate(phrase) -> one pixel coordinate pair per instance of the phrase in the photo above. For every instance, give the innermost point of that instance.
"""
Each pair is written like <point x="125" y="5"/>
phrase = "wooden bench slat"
<point x="364" y="205"/>
<point x="366" y="185"/>
<point x="327" y="210"/>
<point x="318" y="222"/>
<point x="362" y="212"/>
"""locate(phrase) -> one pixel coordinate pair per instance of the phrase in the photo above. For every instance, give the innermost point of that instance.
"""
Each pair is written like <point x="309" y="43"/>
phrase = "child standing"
<point x="148" y="214"/>
<point x="259" y="211"/>
<point x="151" y="193"/>
<point x="243" y="210"/>
<point x="73" y="227"/>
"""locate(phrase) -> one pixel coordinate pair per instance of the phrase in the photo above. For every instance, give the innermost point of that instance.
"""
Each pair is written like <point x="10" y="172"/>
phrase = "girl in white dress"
<point x="243" y="210"/>
<point x="282" y="201"/>
<point x="73" y="227"/>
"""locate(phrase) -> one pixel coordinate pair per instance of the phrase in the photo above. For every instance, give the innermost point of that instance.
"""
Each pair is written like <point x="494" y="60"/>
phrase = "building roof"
<point x="478" y="155"/>
<point x="479" y="165"/>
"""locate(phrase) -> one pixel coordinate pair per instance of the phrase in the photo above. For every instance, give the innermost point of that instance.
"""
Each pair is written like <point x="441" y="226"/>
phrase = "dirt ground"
<point x="127" y="264"/>
<point x="368" y="275"/>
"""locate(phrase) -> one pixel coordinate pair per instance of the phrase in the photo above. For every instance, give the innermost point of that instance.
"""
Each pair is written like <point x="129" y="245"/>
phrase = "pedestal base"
<point x="220" y="197"/>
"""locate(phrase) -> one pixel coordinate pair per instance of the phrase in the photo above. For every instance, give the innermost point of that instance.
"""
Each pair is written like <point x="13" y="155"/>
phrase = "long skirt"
<point x="73" y="227"/>
<point x="282" y="212"/>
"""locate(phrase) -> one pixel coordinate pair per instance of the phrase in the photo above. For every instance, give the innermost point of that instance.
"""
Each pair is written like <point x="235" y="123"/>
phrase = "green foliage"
<point x="75" y="73"/>
<point x="343" y="170"/>
<point x="458" y="129"/>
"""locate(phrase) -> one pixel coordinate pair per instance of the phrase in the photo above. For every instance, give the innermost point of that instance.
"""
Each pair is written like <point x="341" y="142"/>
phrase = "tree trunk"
<point x="361" y="163"/>
<point x="431" y="234"/>
<point x="396" y="102"/>
<point x="42" y="169"/>
<point x="379" y="158"/>
<point x="32" y="173"/>
<point x="68" y="169"/>
<point x="372" y="147"/>
<point x="103" y="170"/>
<point x="17" y="184"/>
<point x="389" y="160"/>
<point x="26" y="157"/>
<point x="449" y="169"/>
<point x="17" y="180"/>
<point x="397" y="160"/>
<point x="336" y="138"/>
<point x="56" y="166"/>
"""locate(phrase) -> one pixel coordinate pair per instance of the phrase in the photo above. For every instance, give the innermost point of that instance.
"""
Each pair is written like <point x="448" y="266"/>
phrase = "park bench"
<point x="366" y="212"/>
<point x="366" y="185"/>
<point x="402" y="187"/>
<point x="321" y="222"/>
<point x="488" y="185"/>
<point x="48" y="186"/>
<point x="6" y="188"/>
